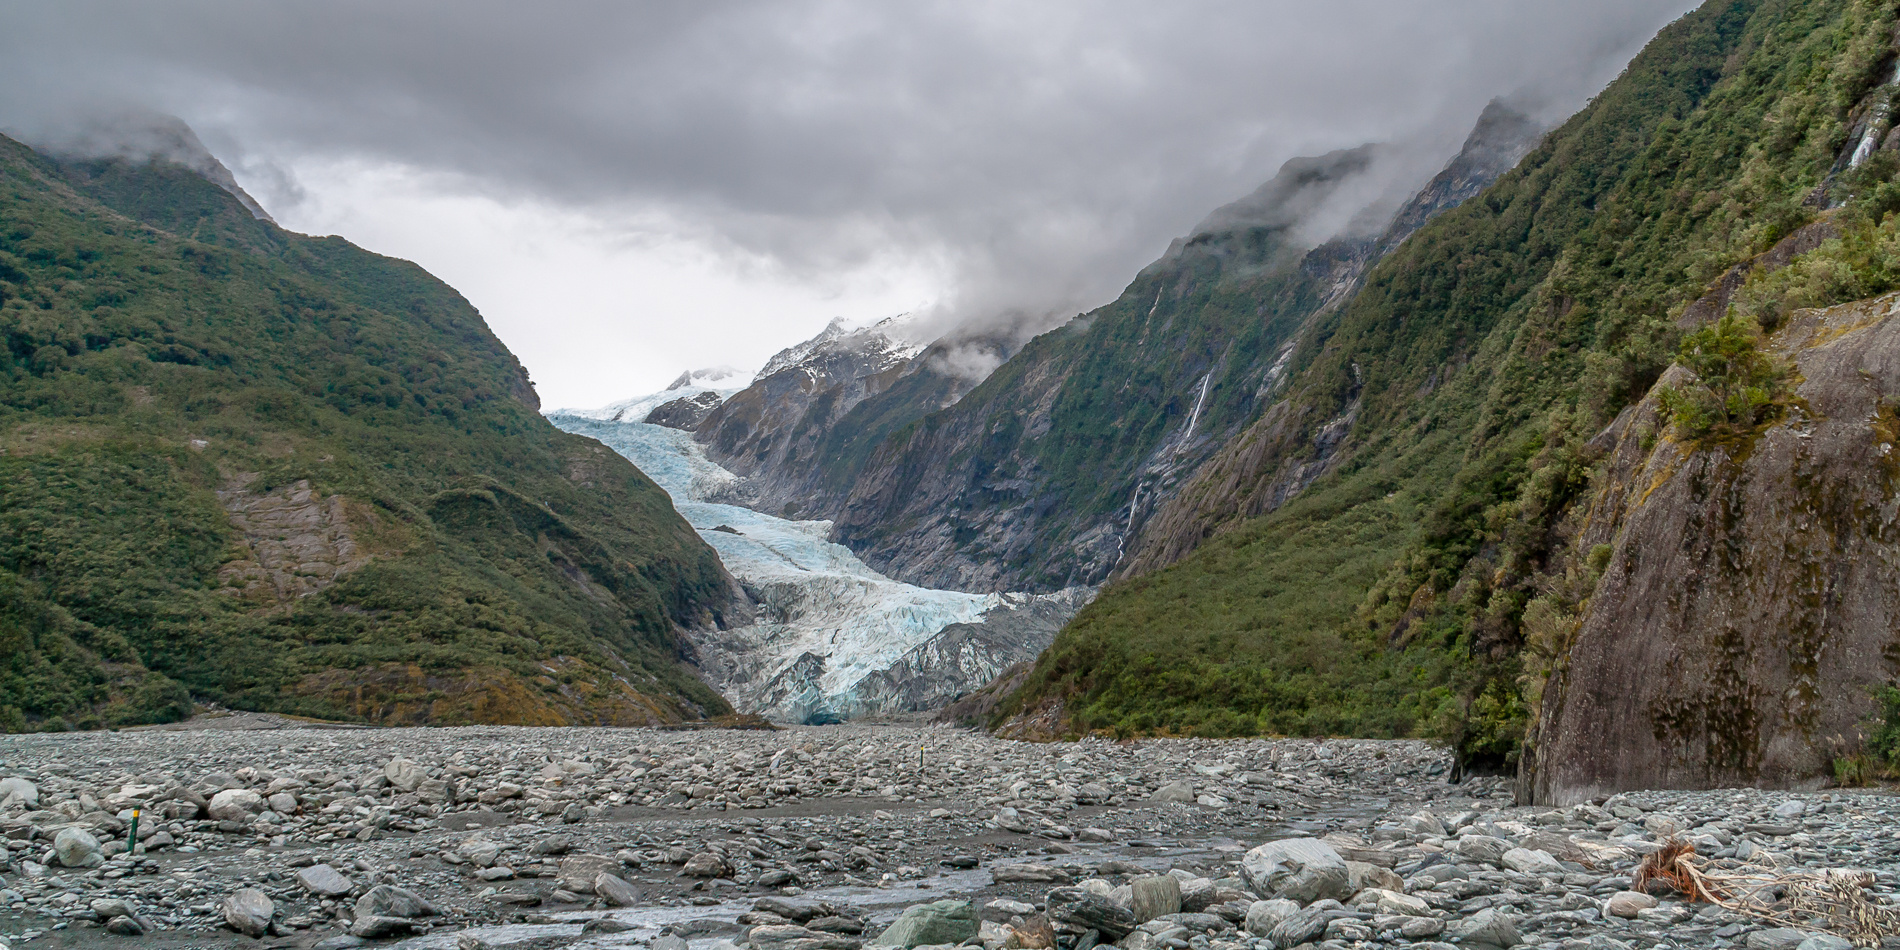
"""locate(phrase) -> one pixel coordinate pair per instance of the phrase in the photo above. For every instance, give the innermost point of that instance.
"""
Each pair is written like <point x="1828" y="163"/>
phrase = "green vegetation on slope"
<point x="1483" y="355"/>
<point x="203" y="417"/>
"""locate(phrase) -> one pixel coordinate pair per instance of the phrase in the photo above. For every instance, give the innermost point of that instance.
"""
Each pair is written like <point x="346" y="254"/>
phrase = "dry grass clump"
<point x="1832" y="899"/>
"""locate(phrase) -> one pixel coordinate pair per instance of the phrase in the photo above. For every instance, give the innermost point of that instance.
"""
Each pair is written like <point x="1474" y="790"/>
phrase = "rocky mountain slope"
<point x="1365" y="559"/>
<point x="283" y="473"/>
<point x="803" y="428"/>
<point x="1041" y="476"/>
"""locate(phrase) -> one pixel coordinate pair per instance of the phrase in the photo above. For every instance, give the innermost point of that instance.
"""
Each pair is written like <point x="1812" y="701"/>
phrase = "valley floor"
<point x="818" y="837"/>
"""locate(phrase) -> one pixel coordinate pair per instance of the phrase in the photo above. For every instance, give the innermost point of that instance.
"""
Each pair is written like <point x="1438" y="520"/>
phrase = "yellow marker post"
<point x="132" y="840"/>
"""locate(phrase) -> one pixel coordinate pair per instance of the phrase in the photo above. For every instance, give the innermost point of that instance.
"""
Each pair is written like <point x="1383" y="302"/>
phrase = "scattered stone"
<point x="76" y="848"/>
<point x="1303" y="870"/>
<point x="234" y="804"/>
<point x="388" y="900"/>
<point x="248" y="911"/>
<point x="324" y="881"/>
<point x="615" y="891"/>
<point x="941" y="922"/>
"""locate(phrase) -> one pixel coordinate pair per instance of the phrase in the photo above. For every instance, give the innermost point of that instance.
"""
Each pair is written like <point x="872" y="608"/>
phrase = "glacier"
<point x="832" y="638"/>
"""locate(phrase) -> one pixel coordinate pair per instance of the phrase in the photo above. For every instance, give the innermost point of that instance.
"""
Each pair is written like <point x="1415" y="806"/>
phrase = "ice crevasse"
<point x="832" y="639"/>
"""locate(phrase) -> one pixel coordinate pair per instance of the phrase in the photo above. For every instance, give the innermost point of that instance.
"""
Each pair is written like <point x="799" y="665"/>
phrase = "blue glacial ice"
<point x="832" y="637"/>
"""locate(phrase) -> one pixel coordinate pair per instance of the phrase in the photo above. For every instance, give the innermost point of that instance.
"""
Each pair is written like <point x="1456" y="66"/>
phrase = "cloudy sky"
<point x="628" y="190"/>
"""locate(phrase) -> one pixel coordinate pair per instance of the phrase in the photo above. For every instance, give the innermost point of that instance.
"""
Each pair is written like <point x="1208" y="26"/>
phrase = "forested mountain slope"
<point x="1454" y="401"/>
<point x="1039" y="477"/>
<point x="283" y="473"/>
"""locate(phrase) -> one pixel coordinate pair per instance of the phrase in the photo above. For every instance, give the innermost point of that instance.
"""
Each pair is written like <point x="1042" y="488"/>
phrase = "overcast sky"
<point x="629" y="190"/>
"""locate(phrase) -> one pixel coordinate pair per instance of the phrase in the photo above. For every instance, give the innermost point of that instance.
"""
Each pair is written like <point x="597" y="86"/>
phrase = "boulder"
<point x="615" y="891"/>
<point x="1263" y="916"/>
<point x="1153" y="896"/>
<point x="941" y="922"/>
<point x="324" y="881"/>
<point x="1706" y="544"/>
<point x="1394" y="902"/>
<point x="480" y="852"/>
<point x="1174" y="792"/>
<point x="1307" y="924"/>
<point x="18" y="791"/>
<point x="1627" y="904"/>
<point x="705" y="864"/>
<point x="75" y="847"/>
<point x="388" y="900"/>
<point x="405" y="774"/>
<point x="1302" y="870"/>
<point x="1482" y="849"/>
<point x="1526" y="861"/>
<point x="578" y="871"/>
<point x="234" y="804"/>
<point x="1077" y="910"/>
<point x="248" y="911"/>
<point x="378" y="928"/>
<point x="793" y="937"/>
<point x="1487" y="930"/>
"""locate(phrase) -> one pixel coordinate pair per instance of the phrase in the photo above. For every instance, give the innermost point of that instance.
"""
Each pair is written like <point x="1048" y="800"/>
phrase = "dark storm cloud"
<point x="1039" y="153"/>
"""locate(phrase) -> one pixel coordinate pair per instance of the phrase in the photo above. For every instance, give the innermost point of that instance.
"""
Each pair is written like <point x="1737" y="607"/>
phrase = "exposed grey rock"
<point x="1076" y="910"/>
<point x="324" y="881"/>
<point x="1642" y="700"/>
<point x="248" y="911"/>
<point x="1174" y="792"/>
<point x="377" y="928"/>
<point x="234" y="804"/>
<point x="1298" y="869"/>
<point x="77" y="848"/>
<point x="615" y="891"/>
<point x="939" y="922"/>
<point x="405" y="774"/>
<point x="1154" y="896"/>
<point x="1488" y="929"/>
<point x="388" y="900"/>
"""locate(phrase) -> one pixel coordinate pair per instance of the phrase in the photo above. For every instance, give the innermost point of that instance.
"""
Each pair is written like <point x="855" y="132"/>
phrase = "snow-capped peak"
<point x="886" y="338"/>
<point x="723" y="380"/>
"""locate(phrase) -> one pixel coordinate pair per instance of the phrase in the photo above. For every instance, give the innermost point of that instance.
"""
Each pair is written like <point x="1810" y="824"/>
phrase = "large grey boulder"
<point x="1487" y="930"/>
<point x="615" y="891"/>
<point x="1483" y="849"/>
<point x="405" y="774"/>
<point x="1302" y="870"/>
<point x="941" y="922"/>
<point x="1078" y="910"/>
<point x="248" y="911"/>
<point x="234" y="804"/>
<point x="388" y="900"/>
<point x="1263" y="916"/>
<point x="578" y="871"/>
<point x="1153" y="896"/>
<point x="18" y="791"/>
<point x="77" y="848"/>
<point x="324" y="881"/>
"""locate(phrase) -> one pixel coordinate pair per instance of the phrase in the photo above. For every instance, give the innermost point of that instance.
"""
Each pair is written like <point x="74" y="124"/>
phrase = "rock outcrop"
<point x="1750" y="599"/>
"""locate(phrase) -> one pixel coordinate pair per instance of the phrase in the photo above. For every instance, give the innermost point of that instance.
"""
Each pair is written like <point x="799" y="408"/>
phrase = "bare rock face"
<point x="1750" y="599"/>
<point x="298" y="541"/>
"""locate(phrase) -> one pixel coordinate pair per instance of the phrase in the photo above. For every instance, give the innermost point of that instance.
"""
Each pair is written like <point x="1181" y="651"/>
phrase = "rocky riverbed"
<point x="828" y="838"/>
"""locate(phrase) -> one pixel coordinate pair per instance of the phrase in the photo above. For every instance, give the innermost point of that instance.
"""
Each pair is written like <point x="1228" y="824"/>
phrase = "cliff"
<point x="1749" y="601"/>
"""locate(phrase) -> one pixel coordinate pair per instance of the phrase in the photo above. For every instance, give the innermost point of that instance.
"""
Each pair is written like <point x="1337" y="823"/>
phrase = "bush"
<point x="1738" y="386"/>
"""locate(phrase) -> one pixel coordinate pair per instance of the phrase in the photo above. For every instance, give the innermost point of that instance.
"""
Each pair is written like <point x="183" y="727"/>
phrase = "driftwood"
<point x="1831" y="899"/>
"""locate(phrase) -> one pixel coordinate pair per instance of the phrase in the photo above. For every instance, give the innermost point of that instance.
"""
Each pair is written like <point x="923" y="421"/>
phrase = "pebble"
<point x="1362" y="843"/>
